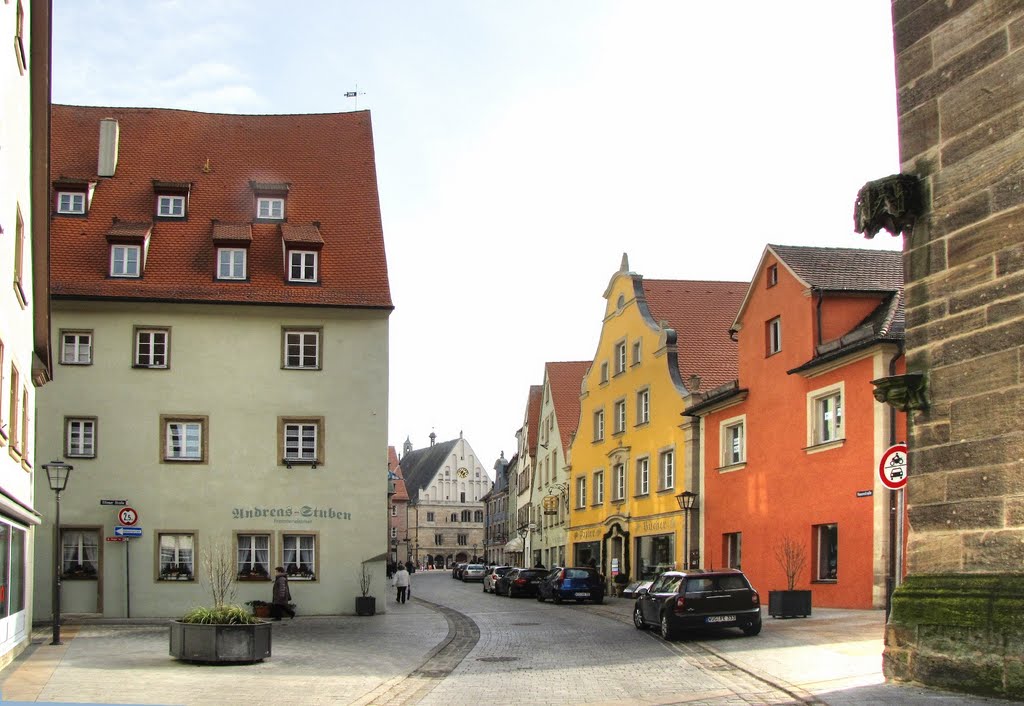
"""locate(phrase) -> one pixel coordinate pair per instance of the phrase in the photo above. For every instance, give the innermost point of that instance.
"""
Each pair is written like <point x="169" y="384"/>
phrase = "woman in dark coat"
<point x="282" y="596"/>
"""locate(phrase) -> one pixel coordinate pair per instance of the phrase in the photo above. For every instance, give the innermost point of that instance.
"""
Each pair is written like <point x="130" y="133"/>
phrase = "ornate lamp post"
<point x="687" y="501"/>
<point x="57" y="473"/>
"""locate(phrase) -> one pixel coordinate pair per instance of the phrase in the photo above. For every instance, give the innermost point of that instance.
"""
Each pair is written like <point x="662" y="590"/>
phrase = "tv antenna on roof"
<point x="354" y="95"/>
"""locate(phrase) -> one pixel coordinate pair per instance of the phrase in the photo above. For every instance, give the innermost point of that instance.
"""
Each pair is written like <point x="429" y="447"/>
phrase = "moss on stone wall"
<point x="959" y="631"/>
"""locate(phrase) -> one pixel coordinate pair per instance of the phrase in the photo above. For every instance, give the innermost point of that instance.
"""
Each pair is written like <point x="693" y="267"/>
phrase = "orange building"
<point x="790" y="450"/>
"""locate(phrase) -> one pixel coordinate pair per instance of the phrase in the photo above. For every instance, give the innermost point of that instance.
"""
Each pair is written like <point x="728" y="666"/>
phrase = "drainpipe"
<point x="895" y="576"/>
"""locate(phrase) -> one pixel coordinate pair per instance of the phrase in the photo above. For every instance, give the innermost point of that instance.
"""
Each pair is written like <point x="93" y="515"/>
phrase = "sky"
<point x="523" y="147"/>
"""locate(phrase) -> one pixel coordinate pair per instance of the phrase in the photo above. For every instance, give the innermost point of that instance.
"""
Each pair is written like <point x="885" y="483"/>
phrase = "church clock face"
<point x="463" y="473"/>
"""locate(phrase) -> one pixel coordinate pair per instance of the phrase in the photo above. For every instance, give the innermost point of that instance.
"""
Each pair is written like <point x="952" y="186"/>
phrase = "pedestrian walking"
<point x="402" y="584"/>
<point x="281" y="596"/>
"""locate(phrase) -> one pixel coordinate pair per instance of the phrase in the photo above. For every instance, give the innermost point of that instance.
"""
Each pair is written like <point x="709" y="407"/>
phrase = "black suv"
<point x="696" y="599"/>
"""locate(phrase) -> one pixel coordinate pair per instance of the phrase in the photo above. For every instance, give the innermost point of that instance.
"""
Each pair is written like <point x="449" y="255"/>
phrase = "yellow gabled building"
<point x="660" y="341"/>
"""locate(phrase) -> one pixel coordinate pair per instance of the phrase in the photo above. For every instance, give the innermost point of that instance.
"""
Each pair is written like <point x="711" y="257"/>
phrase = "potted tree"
<point x="791" y="603"/>
<point x="224" y="632"/>
<point x="365" y="603"/>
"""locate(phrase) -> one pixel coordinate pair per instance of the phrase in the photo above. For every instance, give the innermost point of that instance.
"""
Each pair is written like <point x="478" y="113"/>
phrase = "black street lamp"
<point x="57" y="473"/>
<point x="687" y="501"/>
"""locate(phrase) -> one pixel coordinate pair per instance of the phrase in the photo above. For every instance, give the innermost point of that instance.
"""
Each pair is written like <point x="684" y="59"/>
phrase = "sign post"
<point x="892" y="471"/>
<point x="127" y="516"/>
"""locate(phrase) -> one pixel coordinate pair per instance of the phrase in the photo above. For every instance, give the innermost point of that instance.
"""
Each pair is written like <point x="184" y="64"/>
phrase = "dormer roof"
<point x="324" y="163"/>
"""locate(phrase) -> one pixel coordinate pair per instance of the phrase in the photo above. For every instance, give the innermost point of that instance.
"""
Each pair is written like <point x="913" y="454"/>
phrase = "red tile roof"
<point x="326" y="159"/>
<point x="401" y="494"/>
<point x="565" y="380"/>
<point x="701" y="313"/>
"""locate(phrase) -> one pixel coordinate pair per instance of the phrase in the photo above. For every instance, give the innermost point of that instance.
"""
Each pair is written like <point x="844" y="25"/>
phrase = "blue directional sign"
<point x="122" y="531"/>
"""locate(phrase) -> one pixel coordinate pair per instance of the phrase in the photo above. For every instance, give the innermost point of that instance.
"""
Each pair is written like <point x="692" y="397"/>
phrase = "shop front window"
<point x="654" y="554"/>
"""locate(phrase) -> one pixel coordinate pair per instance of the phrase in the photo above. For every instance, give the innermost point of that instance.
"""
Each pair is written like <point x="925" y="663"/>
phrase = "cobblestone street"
<point x="454" y="645"/>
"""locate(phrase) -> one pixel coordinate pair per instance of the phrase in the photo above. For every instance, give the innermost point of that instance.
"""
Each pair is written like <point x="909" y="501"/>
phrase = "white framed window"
<point x="636" y="352"/>
<point x="773" y="335"/>
<point x="734" y="441"/>
<point x="76" y="347"/>
<point x="302" y="265"/>
<point x="152" y="348"/>
<point x="301" y="441"/>
<point x="825" y="415"/>
<point x="170" y="206"/>
<point x="599" y="425"/>
<point x="620" y="416"/>
<point x="826" y="552"/>
<point x="177" y="556"/>
<point x="72" y="202"/>
<point x="80" y="437"/>
<point x="270" y="208"/>
<point x="604" y="371"/>
<point x="184" y="438"/>
<point x="667" y="470"/>
<point x="124" y="260"/>
<point x="599" y="487"/>
<point x="80" y="553"/>
<point x="619" y="481"/>
<point x="581" y="491"/>
<point x="20" y="290"/>
<point x="643" y="476"/>
<point x="302" y="349"/>
<point x="643" y="406"/>
<point x="394" y="533"/>
<point x="299" y="556"/>
<point x="773" y="275"/>
<point x="253" y="556"/>
<point x="231" y="263"/>
<point x="620" y="357"/>
<point x="732" y="549"/>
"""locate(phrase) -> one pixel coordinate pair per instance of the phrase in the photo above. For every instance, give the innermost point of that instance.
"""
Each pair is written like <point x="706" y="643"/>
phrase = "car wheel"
<point x="667" y="633"/>
<point x="638" y="619"/>
<point x="598" y="599"/>
<point x="540" y="598"/>
<point x="557" y="597"/>
<point x="752" y="630"/>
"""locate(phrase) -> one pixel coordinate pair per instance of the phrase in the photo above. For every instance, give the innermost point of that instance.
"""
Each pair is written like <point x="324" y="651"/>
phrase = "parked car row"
<point x="674" y="602"/>
<point x="468" y="572"/>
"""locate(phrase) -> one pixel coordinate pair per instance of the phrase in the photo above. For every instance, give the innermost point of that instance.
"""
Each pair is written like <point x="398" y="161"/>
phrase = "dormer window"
<point x="170" y="206"/>
<point x="270" y="200"/>
<point x="71" y="202"/>
<point x="270" y="209"/>
<point x="172" y="199"/>
<point x="302" y="266"/>
<point x="128" y="245"/>
<point x="124" y="260"/>
<point x="72" y="196"/>
<point x="302" y="246"/>
<point x="231" y="242"/>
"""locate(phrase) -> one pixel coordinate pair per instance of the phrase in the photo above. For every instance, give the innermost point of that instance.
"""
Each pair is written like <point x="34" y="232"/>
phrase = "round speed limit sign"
<point x="127" y="516"/>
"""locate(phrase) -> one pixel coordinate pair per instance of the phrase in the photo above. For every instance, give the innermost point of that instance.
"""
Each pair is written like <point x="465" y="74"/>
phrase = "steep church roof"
<point x="419" y="466"/>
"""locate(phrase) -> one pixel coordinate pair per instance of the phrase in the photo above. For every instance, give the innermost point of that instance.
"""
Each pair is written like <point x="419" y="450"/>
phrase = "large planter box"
<point x="789" y="604"/>
<point x="366" y="605"/>
<point x="195" y="642"/>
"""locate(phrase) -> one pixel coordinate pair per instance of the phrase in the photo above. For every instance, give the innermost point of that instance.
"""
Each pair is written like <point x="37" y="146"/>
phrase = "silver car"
<point x="473" y="572"/>
<point x="493" y="574"/>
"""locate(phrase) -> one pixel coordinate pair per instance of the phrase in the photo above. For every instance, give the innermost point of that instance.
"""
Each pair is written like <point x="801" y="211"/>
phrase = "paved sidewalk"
<point x="404" y="655"/>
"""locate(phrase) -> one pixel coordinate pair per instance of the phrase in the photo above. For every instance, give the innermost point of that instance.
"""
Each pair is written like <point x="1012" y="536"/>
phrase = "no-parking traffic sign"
<point x="892" y="469"/>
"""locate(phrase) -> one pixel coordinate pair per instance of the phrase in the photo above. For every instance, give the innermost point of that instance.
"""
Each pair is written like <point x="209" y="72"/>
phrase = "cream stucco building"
<point x="221" y="317"/>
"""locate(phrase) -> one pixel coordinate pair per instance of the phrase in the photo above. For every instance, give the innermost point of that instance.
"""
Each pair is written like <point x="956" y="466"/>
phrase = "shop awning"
<point x="516" y="545"/>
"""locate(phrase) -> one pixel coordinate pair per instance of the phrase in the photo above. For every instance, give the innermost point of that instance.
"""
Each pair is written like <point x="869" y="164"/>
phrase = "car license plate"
<point x="582" y="594"/>
<point x="720" y="619"/>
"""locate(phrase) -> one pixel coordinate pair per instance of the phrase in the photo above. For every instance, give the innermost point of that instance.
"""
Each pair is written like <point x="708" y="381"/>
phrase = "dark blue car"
<point x="572" y="584"/>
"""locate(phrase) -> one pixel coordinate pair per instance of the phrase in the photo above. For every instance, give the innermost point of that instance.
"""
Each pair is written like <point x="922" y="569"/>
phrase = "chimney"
<point x="108" y="147"/>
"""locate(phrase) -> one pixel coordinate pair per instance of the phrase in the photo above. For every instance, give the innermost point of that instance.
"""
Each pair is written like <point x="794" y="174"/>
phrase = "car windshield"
<point x="577" y="573"/>
<point x="475" y="567"/>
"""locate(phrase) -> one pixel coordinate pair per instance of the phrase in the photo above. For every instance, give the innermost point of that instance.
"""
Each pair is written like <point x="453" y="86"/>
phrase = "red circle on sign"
<point x="892" y="468"/>
<point x="127" y="516"/>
